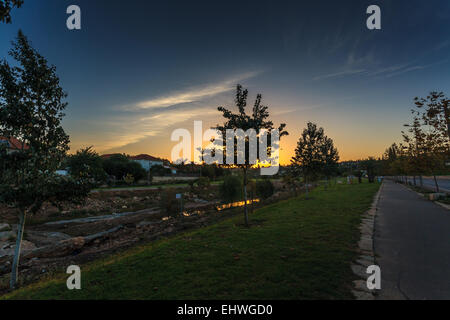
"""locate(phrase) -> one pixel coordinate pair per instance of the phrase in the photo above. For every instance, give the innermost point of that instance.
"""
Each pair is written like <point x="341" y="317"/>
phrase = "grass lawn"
<point x="295" y="249"/>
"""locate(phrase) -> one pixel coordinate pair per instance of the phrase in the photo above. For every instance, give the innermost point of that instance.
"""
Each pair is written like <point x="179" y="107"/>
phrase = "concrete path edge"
<point x="366" y="250"/>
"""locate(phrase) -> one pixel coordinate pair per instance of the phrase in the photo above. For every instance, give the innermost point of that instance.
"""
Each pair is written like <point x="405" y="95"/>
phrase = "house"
<point x="12" y="144"/>
<point x="146" y="161"/>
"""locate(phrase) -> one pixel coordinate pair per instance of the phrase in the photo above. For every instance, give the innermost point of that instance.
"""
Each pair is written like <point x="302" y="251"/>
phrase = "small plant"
<point x="264" y="189"/>
<point x="231" y="188"/>
<point x="129" y="179"/>
<point x="203" y="182"/>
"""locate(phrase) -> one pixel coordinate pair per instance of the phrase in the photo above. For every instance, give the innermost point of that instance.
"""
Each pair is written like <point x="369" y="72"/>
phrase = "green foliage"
<point x="300" y="250"/>
<point x="264" y="188"/>
<point x="129" y="179"/>
<point x="160" y="171"/>
<point x="291" y="180"/>
<point x="118" y="165"/>
<point x="5" y="9"/>
<point x="258" y="121"/>
<point x="31" y="110"/>
<point x="315" y="154"/>
<point x="231" y="188"/>
<point x="370" y="165"/>
<point x="208" y="171"/>
<point x="87" y="163"/>
<point x="203" y="182"/>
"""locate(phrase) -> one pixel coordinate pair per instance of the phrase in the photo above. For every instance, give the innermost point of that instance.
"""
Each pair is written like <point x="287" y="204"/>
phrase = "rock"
<point x="101" y="235"/>
<point x="361" y="285"/>
<point x="359" y="271"/>
<point x="27" y="246"/>
<point x="146" y="223"/>
<point x="5" y="227"/>
<point x="365" y="262"/>
<point x="43" y="238"/>
<point x="6" y="235"/>
<point x="8" y="249"/>
<point x="366" y="244"/>
<point x="362" y="295"/>
<point x="61" y="249"/>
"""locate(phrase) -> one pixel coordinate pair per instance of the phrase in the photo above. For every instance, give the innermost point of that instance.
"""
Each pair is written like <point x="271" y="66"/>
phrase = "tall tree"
<point x="426" y="144"/>
<point x="314" y="153"/>
<point x="6" y="7"/>
<point x="330" y="156"/>
<point x="258" y="120"/>
<point x="31" y="110"/>
<point x="436" y="112"/>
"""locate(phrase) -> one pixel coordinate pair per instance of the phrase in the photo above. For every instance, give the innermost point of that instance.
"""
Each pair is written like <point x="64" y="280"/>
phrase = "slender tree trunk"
<point x="414" y="177"/>
<point x="15" y="265"/>
<point x="245" y="198"/>
<point x="436" y="184"/>
<point x="421" y="181"/>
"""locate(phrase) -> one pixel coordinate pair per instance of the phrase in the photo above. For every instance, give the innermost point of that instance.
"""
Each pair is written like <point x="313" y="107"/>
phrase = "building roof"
<point x="14" y="143"/>
<point x="146" y="157"/>
<point x="109" y="155"/>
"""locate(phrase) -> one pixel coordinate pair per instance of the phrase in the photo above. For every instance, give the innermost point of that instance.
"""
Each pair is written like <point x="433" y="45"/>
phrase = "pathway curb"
<point x="366" y="250"/>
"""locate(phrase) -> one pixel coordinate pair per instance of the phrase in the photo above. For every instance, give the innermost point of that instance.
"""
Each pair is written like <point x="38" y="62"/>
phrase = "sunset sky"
<point x="140" y="69"/>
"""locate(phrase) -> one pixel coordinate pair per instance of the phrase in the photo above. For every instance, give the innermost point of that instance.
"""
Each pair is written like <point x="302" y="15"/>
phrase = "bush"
<point x="128" y="178"/>
<point x="264" y="188"/>
<point x="86" y="164"/>
<point x="231" y="188"/>
<point x="203" y="182"/>
<point x="160" y="171"/>
<point x="119" y="166"/>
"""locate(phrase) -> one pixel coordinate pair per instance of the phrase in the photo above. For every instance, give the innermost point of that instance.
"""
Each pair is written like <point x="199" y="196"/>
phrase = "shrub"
<point x="119" y="166"/>
<point x="86" y="163"/>
<point x="264" y="188"/>
<point x="129" y="179"/>
<point x="231" y="188"/>
<point x="203" y="182"/>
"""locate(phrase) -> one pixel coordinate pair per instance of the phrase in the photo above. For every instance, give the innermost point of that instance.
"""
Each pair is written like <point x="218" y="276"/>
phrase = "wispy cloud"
<point x="134" y="122"/>
<point x="192" y="94"/>
<point x="339" y="74"/>
<point x="397" y="70"/>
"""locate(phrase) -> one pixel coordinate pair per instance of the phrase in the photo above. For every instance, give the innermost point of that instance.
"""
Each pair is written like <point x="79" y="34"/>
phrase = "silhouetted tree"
<point x="258" y="120"/>
<point x="6" y="7"/>
<point x="313" y="154"/>
<point x="31" y="110"/>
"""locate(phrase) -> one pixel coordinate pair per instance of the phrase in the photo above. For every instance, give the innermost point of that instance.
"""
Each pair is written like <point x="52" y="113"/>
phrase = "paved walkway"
<point x="412" y="245"/>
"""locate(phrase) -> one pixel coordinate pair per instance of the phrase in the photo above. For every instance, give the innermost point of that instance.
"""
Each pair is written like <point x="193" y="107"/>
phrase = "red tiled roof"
<point x="14" y="143"/>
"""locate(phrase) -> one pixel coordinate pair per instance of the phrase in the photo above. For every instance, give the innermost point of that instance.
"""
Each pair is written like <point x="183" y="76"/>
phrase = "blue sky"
<point x="139" y="69"/>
